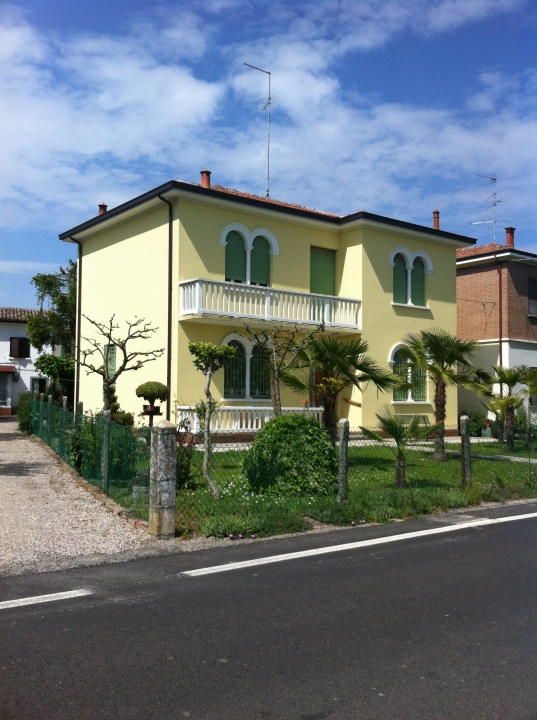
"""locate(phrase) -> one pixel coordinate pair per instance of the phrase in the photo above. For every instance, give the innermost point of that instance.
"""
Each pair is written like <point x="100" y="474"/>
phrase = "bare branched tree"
<point x="105" y="344"/>
<point x="282" y="345"/>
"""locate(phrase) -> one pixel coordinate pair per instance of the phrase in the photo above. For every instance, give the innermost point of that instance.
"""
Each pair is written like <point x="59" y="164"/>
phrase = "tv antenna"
<point x="266" y="107"/>
<point x="495" y="202"/>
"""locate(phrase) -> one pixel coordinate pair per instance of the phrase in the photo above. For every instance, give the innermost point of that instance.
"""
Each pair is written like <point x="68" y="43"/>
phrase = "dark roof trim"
<point x="285" y="209"/>
<point x="499" y="254"/>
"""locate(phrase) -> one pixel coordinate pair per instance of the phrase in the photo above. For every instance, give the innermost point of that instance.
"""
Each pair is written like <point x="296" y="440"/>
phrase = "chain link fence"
<point x="246" y="510"/>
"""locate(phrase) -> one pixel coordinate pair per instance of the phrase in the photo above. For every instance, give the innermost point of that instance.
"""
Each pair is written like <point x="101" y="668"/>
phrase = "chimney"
<point x="436" y="219"/>
<point x="206" y="178"/>
<point x="510" y="237"/>
<point x="102" y="208"/>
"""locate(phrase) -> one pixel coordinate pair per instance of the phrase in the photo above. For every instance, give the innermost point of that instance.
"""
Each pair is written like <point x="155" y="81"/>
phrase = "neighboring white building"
<point x="17" y="357"/>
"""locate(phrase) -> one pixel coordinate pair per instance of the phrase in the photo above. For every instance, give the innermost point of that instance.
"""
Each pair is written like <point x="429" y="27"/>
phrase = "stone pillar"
<point x="466" y="460"/>
<point x="105" y="450"/>
<point x="163" y="480"/>
<point x="343" y="432"/>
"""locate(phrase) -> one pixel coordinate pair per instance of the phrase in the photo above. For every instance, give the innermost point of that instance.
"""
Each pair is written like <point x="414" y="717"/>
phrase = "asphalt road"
<point x="441" y="626"/>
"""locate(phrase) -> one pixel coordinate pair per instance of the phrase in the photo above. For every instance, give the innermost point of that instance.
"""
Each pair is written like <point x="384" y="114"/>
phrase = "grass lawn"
<point x="373" y="497"/>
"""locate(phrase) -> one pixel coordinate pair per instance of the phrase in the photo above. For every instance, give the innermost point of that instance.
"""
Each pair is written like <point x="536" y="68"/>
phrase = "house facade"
<point x="497" y="306"/>
<point x="201" y="261"/>
<point x="17" y="357"/>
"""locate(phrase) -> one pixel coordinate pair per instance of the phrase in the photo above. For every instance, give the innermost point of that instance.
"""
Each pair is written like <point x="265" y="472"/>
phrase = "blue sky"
<point x="393" y="106"/>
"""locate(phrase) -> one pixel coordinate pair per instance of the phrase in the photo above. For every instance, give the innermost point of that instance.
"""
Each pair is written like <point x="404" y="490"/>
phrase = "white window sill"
<point x="411" y="402"/>
<point x="410" y="305"/>
<point x="262" y="401"/>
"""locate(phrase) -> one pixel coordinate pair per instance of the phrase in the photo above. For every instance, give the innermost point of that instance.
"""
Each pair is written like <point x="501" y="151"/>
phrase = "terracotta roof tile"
<point x="481" y="250"/>
<point x="9" y="314"/>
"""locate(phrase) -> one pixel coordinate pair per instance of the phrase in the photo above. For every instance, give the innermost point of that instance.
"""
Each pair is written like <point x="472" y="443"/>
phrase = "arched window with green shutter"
<point x="235" y="373"/>
<point x="235" y="258"/>
<point x="259" y="377"/>
<point x="400" y="282"/>
<point x="417" y="376"/>
<point x="417" y="280"/>
<point x="260" y="262"/>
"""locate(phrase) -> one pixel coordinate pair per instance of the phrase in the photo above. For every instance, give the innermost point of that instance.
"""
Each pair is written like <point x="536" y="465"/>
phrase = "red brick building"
<point x="497" y="306"/>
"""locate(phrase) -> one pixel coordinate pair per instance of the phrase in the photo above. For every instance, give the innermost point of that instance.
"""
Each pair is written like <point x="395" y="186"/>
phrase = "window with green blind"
<point x="110" y="357"/>
<point x="260" y="262"/>
<point x="417" y="280"/>
<point x="419" y="385"/>
<point x="259" y="377"/>
<point x="322" y="271"/>
<point x="235" y="373"/>
<point x="400" y="282"/>
<point x="417" y="376"/>
<point x="235" y="258"/>
<point x="532" y="296"/>
<point x="400" y="367"/>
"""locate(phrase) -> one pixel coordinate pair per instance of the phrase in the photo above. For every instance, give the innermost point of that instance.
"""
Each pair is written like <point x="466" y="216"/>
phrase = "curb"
<point x="97" y="493"/>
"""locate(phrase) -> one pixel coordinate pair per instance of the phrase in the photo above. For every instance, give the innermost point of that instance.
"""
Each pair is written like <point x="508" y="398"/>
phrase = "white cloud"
<point x="26" y="267"/>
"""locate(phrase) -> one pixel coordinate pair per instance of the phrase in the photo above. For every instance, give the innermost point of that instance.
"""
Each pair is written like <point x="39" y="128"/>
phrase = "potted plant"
<point x="152" y="391"/>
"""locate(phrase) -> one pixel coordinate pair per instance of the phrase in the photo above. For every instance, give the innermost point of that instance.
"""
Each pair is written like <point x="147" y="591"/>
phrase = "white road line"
<point x="353" y="546"/>
<point x="43" y="598"/>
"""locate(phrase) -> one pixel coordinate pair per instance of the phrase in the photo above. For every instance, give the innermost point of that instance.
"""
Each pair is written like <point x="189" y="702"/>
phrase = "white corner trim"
<point x="249" y="237"/>
<point x="410" y="305"/>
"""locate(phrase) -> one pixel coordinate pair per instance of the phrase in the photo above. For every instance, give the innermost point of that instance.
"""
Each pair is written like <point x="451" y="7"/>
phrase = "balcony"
<point x="240" y="418"/>
<point x="209" y="300"/>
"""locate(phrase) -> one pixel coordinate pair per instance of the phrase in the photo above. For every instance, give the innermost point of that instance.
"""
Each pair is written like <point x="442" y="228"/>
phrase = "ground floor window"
<point x="3" y="390"/>
<point x="38" y="385"/>
<point x="246" y="376"/>
<point x="416" y="376"/>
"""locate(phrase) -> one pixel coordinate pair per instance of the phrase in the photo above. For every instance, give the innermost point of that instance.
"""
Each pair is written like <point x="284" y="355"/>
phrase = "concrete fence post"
<point x="105" y="450"/>
<point x="343" y="432"/>
<point x="40" y="415"/>
<point x="466" y="460"/>
<point x="62" y="436"/>
<point x="163" y="480"/>
<point x="49" y="421"/>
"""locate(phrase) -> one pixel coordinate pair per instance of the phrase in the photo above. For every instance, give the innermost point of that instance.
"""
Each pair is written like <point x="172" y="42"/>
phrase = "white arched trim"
<point x="247" y="343"/>
<point x="391" y="357"/>
<point x="249" y="237"/>
<point x="410" y="257"/>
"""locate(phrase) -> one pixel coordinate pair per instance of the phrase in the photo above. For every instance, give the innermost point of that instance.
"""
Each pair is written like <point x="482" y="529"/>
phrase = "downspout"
<point x="78" y="320"/>
<point x="170" y="292"/>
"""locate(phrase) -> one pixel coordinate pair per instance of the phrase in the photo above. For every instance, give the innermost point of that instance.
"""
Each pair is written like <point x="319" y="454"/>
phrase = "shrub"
<point x="292" y="455"/>
<point x="477" y="421"/>
<point x="24" y="413"/>
<point x="152" y="391"/>
<point x="185" y="450"/>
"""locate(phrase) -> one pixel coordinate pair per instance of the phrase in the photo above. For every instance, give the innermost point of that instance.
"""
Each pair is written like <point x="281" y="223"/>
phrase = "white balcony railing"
<point x="236" y="418"/>
<point x="227" y="299"/>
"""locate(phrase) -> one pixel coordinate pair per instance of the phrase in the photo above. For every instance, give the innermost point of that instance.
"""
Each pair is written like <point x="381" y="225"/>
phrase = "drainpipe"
<point x="170" y="290"/>
<point x="78" y="319"/>
<point x="500" y="316"/>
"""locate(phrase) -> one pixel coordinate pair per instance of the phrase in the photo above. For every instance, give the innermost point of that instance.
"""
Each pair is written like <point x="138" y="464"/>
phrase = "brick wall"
<point x="478" y="302"/>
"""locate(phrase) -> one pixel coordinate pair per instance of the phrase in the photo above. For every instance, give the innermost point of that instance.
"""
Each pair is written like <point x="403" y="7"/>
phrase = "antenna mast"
<point x="266" y="107"/>
<point x="494" y="203"/>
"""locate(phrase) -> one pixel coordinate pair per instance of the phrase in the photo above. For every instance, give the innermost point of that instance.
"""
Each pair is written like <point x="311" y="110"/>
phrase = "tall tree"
<point x="504" y="390"/>
<point x="282" y="346"/>
<point x="55" y="323"/>
<point x="329" y="365"/>
<point x="209" y="358"/>
<point x="125" y="359"/>
<point x="445" y="359"/>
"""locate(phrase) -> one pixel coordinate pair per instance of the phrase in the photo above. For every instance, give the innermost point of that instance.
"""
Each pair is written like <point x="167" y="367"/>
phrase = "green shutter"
<point x="399" y="280"/>
<point x="235" y="258"/>
<point x="400" y="367"/>
<point x="322" y="271"/>
<point x="259" y="376"/>
<point x="235" y="373"/>
<point x="260" y="262"/>
<point x="110" y="352"/>
<point x="419" y="384"/>
<point x="417" y="282"/>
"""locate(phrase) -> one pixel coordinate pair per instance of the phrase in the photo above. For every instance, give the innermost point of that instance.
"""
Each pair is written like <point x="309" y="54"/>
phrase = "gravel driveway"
<point x="47" y="522"/>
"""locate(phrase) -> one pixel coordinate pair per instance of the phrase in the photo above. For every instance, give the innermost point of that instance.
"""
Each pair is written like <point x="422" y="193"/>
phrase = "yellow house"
<point x="200" y="261"/>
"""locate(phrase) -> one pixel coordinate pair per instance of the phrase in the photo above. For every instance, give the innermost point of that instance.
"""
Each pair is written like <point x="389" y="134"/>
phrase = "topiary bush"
<point x="152" y="391"/>
<point x="292" y="455"/>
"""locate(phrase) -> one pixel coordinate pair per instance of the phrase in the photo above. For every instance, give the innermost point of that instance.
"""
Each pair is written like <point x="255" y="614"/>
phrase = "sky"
<point x="392" y="106"/>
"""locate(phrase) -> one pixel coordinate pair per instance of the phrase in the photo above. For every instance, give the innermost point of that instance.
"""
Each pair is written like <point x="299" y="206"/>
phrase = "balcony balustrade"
<point x="236" y="301"/>
<point x="239" y="419"/>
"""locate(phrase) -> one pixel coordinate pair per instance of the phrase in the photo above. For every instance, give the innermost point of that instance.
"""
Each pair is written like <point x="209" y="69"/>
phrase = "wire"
<point x="245" y="149"/>
<point x="322" y="159"/>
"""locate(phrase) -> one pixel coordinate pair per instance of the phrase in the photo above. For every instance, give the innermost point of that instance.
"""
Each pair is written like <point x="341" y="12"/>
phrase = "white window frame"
<point x="248" y="345"/>
<point x="249" y="237"/>
<point x="409" y="262"/>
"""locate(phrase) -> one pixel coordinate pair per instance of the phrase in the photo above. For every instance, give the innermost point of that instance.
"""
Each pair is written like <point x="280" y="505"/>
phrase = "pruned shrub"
<point x="292" y="455"/>
<point x="24" y="413"/>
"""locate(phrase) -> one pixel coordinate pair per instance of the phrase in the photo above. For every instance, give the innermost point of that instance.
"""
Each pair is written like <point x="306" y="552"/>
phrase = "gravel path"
<point x="46" y="521"/>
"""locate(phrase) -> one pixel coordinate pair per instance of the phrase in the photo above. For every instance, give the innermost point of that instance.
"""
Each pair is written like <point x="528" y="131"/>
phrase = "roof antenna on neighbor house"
<point x="494" y="203"/>
<point x="267" y="107"/>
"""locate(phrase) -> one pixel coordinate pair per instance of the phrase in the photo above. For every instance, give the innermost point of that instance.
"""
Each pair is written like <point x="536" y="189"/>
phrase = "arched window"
<point x="417" y="282"/>
<point x="400" y="281"/>
<point x="259" y="377"/>
<point x="260" y="262"/>
<point x="235" y="372"/>
<point x="235" y="258"/>
<point x="416" y="376"/>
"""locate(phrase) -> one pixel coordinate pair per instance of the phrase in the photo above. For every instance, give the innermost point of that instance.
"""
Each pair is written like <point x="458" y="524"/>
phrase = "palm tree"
<point x="403" y="434"/>
<point x="331" y="366"/>
<point x="441" y="355"/>
<point x="510" y="397"/>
